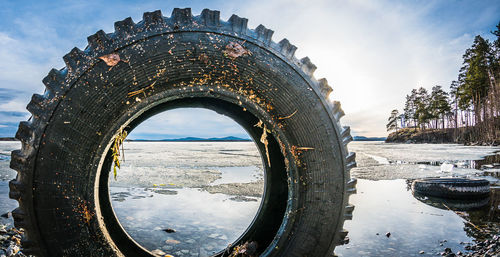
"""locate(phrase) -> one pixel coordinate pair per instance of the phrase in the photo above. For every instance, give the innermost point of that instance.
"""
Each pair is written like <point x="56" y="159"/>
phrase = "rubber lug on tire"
<point x="16" y="189"/>
<point x="351" y="165"/>
<point x="25" y="132"/>
<point x="346" y="131"/>
<point x="17" y="160"/>
<point x="351" y="191"/>
<point x="352" y="183"/>
<point x="153" y="20"/>
<point x="99" y="41"/>
<point x="337" y="110"/>
<point x="264" y="34"/>
<point x="35" y="106"/>
<point x="348" y="212"/>
<point x="210" y="18"/>
<point x="346" y="140"/>
<point x="238" y="24"/>
<point x="342" y="237"/>
<point x="287" y="49"/>
<point x="125" y="27"/>
<point x="19" y="217"/>
<point x="351" y="157"/>
<point x="307" y="66"/>
<point x="74" y="58"/>
<point x="325" y="89"/>
<point x="182" y="16"/>
<point x="54" y="82"/>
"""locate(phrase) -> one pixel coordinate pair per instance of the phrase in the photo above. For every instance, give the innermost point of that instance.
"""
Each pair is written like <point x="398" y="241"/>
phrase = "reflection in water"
<point x="388" y="206"/>
<point x="204" y="223"/>
<point x="481" y="216"/>
<point x="187" y="198"/>
<point x="453" y="204"/>
<point x="381" y="206"/>
<point x="484" y="221"/>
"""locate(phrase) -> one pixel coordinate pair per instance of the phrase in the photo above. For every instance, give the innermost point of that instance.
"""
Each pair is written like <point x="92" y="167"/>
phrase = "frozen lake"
<point x="209" y="192"/>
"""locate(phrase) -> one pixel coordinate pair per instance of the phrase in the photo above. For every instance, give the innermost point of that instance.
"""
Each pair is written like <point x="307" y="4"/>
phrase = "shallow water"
<point x="378" y="160"/>
<point x="183" y="187"/>
<point x="204" y="223"/>
<point x="6" y="174"/>
<point x="200" y="218"/>
<point x="245" y="174"/>
<point x="386" y="206"/>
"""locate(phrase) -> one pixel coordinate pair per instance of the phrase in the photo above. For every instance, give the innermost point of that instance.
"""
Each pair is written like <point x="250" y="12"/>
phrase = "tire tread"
<point x="127" y="32"/>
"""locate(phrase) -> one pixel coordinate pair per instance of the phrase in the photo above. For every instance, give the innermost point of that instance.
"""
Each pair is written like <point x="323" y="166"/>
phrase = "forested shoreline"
<point x="468" y="113"/>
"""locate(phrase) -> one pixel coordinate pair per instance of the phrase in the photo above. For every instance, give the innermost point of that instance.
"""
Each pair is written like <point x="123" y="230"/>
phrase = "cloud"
<point x="8" y="129"/>
<point x="7" y="94"/>
<point x="372" y="52"/>
<point x="13" y="114"/>
<point x="184" y="122"/>
<point x="13" y="117"/>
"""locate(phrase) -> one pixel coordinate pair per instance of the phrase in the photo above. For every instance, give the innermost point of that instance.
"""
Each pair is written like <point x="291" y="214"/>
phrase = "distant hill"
<point x="7" y="139"/>
<point x="362" y="138"/>
<point x="195" y="139"/>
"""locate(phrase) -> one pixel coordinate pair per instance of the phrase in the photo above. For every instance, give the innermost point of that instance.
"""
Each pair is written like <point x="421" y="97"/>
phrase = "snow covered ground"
<point x="378" y="160"/>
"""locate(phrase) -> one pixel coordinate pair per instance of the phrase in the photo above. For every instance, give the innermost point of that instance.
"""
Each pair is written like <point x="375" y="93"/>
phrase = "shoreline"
<point x="465" y="136"/>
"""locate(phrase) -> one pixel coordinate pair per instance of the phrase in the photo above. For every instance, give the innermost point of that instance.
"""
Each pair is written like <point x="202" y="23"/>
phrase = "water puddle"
<point x="189" y="221"/>
<point x="490" y="163"/>
<point x="415" y="225"/>
<point x="246" y="174"/>
<point x="204" y="223"/>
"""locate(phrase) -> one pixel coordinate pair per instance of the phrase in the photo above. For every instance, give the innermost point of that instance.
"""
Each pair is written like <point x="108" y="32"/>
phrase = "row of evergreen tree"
<point x="473" y="99"/>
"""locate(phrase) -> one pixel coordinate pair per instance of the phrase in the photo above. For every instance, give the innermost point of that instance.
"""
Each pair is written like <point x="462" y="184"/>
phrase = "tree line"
<point x="472" y="101"/>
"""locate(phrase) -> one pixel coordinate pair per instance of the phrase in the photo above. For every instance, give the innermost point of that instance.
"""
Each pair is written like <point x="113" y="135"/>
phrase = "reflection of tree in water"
<point x="493" y="160"/>
<point x="490" y="159"/>
<point x="481" y="217"/>
<point x="484" y="222"/>
<point x="459" y="206"/>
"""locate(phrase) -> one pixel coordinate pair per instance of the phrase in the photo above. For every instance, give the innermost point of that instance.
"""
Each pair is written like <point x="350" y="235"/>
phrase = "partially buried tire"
<point x="452" y="188"/>
<point x="161" y="63"/>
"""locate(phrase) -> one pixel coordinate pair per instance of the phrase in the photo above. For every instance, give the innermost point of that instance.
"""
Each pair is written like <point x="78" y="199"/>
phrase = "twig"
<point x="263" y="139"/>
<point x="142" y="90"/>
<point x="476" y="227"/>
<point x="288" y="117"/>
<point x="304" y="148"/>
<point x="116" y="150"/>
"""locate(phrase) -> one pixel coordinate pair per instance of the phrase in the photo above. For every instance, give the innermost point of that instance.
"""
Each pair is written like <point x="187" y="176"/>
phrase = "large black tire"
<point x="161" y="63"/>
<point x="452" y="188"/>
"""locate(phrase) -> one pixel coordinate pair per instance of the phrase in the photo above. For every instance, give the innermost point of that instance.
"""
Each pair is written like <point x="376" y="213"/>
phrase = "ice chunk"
<point x="447" y="167"/>
<point x="379" y="159"/>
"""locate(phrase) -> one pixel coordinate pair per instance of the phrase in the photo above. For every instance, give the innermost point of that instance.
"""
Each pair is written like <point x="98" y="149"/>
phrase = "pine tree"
<point x="476" y="78"/>
<point x="495" y="73"/>
<point x="410" y="108"/>
<point x="454" y="100"/>
<point x="439" y="106"/>
<point x="422" y="112"/>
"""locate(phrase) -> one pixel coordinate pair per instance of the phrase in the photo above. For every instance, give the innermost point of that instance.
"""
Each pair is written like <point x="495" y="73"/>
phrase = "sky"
<point x="372" y="52"/>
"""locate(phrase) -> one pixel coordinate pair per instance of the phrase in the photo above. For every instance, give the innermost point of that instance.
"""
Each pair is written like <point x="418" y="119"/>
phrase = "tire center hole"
<point x="177" y="192"/>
